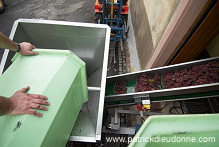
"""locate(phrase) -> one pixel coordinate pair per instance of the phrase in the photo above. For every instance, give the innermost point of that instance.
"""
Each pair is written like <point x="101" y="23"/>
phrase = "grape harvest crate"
<point x="161" y="94"/>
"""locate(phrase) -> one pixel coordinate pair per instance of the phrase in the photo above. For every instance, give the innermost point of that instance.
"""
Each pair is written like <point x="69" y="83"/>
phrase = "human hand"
<point x="26" y="49"/>
<point x="23" y="103"/>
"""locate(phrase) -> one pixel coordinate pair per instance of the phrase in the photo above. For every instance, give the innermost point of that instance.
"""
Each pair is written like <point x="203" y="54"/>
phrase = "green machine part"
<point x="58" y="74"/>
<point x="173" y="130"/>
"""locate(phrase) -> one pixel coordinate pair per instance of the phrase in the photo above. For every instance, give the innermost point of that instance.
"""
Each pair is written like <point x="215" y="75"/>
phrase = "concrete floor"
<point x="65" y="10"/>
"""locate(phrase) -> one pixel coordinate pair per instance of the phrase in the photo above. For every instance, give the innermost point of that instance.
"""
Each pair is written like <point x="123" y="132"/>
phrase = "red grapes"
<point x="120" y="87"/>
<point x="147" y="82"/>
<point x="196" y="75"/>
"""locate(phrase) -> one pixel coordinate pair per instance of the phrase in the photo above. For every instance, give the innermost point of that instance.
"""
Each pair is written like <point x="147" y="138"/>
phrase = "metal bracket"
<point x="143" y="99"/>
<point x="114" y="125"/>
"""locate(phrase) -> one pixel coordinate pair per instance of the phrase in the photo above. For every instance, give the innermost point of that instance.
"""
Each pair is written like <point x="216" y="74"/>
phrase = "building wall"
<point x="150" y="19"/>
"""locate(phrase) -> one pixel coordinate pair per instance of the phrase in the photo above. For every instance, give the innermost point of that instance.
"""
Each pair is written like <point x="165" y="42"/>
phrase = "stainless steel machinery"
<point x="90" y="42"/>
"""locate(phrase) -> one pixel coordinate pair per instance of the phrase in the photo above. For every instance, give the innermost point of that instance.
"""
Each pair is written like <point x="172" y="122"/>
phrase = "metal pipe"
<point x="93" y="88"/>
<point x="119" y="111"/>
<point x="111" y="11"/>
<point x="116" y="116"/>
<point x="103" y="9"/>
<point x="121" y="44"/>
<point x="120" y="9"/>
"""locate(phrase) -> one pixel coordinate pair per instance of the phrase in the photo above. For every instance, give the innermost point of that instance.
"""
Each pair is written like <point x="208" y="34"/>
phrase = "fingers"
<point x="31" y="46"/>
<point x="24" y="90"/>
<point x="32" y="53"/>
<point x="37" y="96"/>
<point x="33" y="112"/>
<point x="41" y="102"/>
<point x="26" y="49"/>
<point x="37" y="101"/>
<point x="38" y="106"/>
<point x="24" y="103"/>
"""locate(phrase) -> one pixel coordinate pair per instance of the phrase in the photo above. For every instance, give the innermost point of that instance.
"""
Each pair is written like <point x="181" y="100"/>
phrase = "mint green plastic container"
<point x="178" y="131"/>
<point x="58" y="74"/>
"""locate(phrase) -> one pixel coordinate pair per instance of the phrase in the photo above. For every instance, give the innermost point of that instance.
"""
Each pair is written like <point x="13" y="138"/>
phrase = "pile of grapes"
<point x="120" y="87"/>
<point x="197" y="75"/>
<point x="146" y="82"/>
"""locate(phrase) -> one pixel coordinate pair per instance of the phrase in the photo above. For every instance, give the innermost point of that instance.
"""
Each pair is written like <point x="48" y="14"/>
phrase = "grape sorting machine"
<point x="193" y="91"/>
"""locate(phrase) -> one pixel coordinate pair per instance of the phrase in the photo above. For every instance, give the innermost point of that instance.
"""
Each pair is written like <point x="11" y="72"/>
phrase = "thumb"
<point x="24" y="90"/>
<point x="33" y="53"/>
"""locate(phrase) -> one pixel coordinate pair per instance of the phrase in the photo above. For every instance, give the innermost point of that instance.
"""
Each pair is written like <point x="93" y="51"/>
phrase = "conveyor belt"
<point x="189" y="92"/>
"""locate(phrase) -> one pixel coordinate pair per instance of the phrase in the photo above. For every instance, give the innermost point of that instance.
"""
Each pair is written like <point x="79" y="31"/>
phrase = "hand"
<point x="23" y="103"/>
<point x="26" y="49"/>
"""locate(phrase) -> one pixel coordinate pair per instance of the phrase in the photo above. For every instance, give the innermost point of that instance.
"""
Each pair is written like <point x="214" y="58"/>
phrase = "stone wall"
<point x="150" y="19"/>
